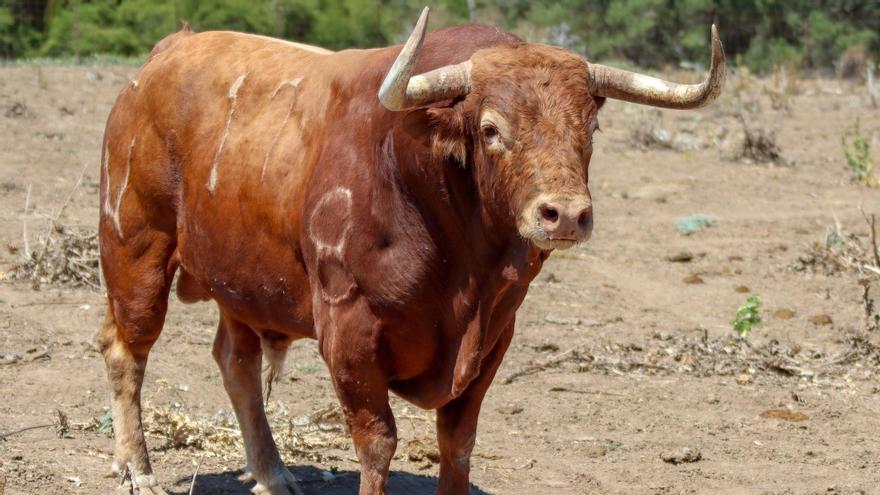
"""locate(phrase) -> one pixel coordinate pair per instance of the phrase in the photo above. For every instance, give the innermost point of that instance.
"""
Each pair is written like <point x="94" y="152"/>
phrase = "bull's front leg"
<point x="457" y="424"/>
<point x="362" y="388"/>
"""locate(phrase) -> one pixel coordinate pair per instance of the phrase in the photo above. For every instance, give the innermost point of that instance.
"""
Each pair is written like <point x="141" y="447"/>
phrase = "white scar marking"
<point x="233" y="97"/>
<point x="122" y="189"/>
<point x="324" y="248"/>
<point x="292" y="83"/>
<point x="105" y="168"/>
<point x="134" y="84"/>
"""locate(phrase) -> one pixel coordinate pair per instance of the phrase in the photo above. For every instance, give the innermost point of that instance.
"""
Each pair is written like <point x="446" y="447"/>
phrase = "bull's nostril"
<point x="584" y="220"/>
<point x="549" y="213"/>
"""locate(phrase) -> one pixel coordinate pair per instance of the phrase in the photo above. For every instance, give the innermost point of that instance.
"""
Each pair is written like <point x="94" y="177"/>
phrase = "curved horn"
<point x="638" y="88"/>
<point x="401" y="90"/>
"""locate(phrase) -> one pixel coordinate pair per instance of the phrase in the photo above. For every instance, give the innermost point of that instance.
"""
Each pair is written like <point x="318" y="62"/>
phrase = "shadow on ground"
<point x="312" y="482"/>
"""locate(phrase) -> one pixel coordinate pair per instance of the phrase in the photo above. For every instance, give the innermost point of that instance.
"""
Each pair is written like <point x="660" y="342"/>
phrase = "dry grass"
<point x="66" y="256"/>
<point x="759" y="143"/>
<point x="218" y="435"/>
<point x="839" y="252"/>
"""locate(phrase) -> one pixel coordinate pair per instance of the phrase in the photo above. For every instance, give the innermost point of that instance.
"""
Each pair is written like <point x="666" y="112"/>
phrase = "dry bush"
<point x="219" y="434"/>
<point x="839" y="252"/>
<point x="651" y="133"/>
<point x="757" y="144"/>
<point x="783" y="86"/>
<point x="66" y="256"/>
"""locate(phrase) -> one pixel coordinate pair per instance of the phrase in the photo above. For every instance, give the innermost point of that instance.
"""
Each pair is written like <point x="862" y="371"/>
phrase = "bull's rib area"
<point x="292" y="83"/>
<point x="233" y="99"/>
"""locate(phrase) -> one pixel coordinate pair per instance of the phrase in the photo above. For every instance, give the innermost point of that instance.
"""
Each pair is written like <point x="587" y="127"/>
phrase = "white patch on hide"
<point x="291" y="83"/>
<point x="326" y="247"/>
<point x="233" y="98"/>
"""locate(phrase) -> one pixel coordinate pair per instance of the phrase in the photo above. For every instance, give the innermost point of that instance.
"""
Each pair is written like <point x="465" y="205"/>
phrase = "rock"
<point x="784" y="414"/>
<point x="692" y="279"/>
<point x="17" y="109"/>
<point x="10" y="358"/>
<point x="694" y="223"/>
<point x="681" y="257"/>
<point x="511" y="410"/>
<point x="562" y="320"/>
<point x="594" y="451"/>
<point x="34" y="354"/>
<point x="685" y="455"/>
<point x="821" y="319"/>
<point x="742" y="289"/>
<point x="421" y="450"/>
<point x="655" y="192"/>
<point x="784" y="314"/>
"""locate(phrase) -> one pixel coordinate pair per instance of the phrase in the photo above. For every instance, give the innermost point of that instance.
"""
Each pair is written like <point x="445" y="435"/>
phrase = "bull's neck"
<point x="448" y="198"/>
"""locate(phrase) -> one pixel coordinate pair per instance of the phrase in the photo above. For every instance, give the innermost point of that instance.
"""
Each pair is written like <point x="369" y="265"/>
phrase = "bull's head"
<point x="524" y="117"/>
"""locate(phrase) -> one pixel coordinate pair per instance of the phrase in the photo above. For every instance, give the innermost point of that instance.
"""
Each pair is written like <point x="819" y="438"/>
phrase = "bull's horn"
<point x="401" y="90"/>
<point x="638" y="88"/>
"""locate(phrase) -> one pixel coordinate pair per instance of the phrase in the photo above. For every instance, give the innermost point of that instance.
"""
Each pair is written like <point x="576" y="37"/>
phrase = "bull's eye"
<point x="490" y="131"/>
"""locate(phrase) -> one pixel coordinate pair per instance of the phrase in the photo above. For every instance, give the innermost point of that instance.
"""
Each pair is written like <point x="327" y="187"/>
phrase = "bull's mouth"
<point x="548" y="244"/>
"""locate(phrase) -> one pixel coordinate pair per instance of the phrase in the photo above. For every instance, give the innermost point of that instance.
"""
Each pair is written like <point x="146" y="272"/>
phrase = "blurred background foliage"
<point x="820" y="35"/>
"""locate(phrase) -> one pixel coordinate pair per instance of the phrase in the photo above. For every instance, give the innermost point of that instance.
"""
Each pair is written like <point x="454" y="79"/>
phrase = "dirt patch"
<point x="620" y="355"/>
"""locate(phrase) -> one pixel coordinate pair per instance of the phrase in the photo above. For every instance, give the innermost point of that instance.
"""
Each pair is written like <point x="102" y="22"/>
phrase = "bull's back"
<point x="211" y="131"/>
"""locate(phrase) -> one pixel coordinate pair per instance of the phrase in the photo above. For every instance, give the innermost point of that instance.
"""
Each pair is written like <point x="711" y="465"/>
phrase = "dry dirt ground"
<point x="617" y="363"/>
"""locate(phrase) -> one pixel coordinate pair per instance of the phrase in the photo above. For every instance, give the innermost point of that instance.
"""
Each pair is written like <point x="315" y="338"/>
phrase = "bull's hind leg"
<point x="237" y="349"/>
<point x="138" y="278"/>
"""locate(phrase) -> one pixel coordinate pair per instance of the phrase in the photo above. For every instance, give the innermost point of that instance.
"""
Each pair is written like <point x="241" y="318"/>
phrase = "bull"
<point x="394" y="204"/>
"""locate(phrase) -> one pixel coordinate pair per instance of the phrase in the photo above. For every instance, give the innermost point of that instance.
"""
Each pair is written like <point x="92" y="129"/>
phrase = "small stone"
<point x="692" y="279"/>
<point x="784" y="314"/>
<point x="510" y="410"/>
<point x="742" y="289"/>
<point x="680" y="257"/>
<point x="594" y="451"/>
<point x="682" y="456"/>
<point x="821" y="319"/>
<point x="784" y="414"/>
<point x="562" y="320"/>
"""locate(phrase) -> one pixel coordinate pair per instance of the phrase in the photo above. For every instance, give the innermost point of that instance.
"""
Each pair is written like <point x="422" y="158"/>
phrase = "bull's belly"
<point x="264" y="288"/>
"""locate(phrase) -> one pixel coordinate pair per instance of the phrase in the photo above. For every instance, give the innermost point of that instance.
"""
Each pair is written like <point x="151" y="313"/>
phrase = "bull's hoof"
<point x="282" y="483"/>
<point x="142" y="485"/>
<point x="246" y="476"/>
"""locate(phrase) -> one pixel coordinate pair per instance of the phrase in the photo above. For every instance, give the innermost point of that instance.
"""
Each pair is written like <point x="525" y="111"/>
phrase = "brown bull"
<point x="400" y="231"/>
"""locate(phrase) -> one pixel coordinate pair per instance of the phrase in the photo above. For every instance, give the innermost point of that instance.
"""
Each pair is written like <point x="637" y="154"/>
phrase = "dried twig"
<point x="872" y="225"/>
<point x="54" y="224"/>
<point x="192" y="484"/>
<point x="4" y="436"/>
<point x="24" y="232"/>
<point x="536" y="367"/>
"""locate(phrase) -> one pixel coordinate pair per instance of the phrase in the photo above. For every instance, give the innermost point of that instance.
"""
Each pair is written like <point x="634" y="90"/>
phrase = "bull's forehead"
<point x="539" y="86"/>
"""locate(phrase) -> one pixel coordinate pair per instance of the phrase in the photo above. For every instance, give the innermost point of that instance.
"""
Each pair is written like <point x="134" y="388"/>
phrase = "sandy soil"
<point x="617" y="362"/>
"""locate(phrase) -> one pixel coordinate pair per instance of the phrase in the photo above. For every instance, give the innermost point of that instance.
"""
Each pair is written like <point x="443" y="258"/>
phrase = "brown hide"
<point x="302" y="153"/>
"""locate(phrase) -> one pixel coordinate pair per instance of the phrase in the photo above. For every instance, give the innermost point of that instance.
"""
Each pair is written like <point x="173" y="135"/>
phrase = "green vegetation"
<point x="761" y="34"/>
<point x="857" y="151"/>
<point x="747" y="316"/>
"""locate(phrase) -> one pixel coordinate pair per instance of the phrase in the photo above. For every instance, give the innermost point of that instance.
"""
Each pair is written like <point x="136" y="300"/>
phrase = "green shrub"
<point x="747" y="316"/>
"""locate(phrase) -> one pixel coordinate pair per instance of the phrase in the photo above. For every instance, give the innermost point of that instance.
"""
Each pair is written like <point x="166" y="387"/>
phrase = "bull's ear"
<point x="441" y="129"/>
